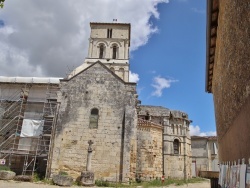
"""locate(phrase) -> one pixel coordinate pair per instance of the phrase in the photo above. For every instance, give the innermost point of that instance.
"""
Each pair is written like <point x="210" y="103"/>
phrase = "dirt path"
<point x="15" y="184"/>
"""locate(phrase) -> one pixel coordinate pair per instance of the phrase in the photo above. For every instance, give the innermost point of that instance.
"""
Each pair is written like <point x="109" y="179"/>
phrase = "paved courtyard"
<point x="15" y="184"/>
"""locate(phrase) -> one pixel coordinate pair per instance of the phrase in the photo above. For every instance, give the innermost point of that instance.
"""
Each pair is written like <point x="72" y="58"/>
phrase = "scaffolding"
<point x="28" y="154"/>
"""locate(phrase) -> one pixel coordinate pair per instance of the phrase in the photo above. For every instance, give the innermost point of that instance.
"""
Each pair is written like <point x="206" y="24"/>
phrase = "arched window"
<point x="93" y="119"/>
<point x="147" y="117"/>
<point x="101" y="52"/>
<point x="121" y="73"/>
<point x="115" y="48"/>
<point x="176" y="147"/>
<point x="172" y="126"/>
<point x="112" y="69"/>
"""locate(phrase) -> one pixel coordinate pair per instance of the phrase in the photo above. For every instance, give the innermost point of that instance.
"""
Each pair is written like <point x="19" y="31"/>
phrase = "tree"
<point x="1" y="3"/>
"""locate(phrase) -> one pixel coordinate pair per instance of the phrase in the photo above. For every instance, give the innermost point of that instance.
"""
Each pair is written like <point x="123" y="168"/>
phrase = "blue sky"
<point x="168" y="47"/>
<point x="177" y="52"/>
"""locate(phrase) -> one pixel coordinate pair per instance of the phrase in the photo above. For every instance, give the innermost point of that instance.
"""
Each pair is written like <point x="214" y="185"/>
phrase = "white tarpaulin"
<point x="32" y="128"/>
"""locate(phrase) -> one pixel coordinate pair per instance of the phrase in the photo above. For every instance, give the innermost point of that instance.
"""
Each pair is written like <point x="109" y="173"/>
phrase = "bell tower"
<point x="109" y="43"/>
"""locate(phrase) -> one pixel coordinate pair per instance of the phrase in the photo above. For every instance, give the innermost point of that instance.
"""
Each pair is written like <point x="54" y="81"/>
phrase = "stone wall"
<point x="96" y="87"/>
<point x="200" y="154"/>
<point x="231" y="78"/>
<point x="120" y="38"/>
<point x="175" y="125"/>
<point x="177" y="165"/>
<point x="205" y="153"/>
<point x="149" y="152"/>
<point x="120" y="31"/>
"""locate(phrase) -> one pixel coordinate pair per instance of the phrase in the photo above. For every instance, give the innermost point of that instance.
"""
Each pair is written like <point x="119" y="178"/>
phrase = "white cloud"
<point x="196" y="131"/>
<point x="133" y="77"/>
<point x="160" y="83"/>
<point x="47" y="36"/>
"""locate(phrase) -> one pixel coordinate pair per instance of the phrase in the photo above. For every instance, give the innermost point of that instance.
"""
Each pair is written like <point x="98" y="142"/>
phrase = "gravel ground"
<point x="16" y="184"/>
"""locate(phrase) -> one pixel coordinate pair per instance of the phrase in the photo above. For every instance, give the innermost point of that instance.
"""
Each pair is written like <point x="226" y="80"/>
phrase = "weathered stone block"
<point x="62" y="180"/>
<point x="87" y="178"/>
<point x="23" y="178"/>
<point x="7" y="175"/>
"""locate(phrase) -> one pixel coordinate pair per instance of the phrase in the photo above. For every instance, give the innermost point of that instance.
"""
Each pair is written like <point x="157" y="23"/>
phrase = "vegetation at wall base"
<point x="6" y="168"/>
<point x="36" y="177"/>
<point x="62" y="173"/>
<point x="153" y="183"/>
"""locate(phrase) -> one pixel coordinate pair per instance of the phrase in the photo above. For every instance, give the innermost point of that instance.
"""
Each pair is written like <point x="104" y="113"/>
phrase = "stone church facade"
<point x="97" y="102"/>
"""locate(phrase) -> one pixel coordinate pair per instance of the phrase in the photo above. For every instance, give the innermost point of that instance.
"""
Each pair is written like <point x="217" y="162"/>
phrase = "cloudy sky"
<point x="50" y="38"/>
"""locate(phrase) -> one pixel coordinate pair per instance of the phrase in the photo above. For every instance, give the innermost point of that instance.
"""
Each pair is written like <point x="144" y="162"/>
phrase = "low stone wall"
<point x="209" y="174"/>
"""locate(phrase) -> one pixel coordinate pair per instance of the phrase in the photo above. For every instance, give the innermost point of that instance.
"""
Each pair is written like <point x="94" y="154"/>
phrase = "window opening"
<point x="93" y="119"/>
<point x="121" y="73"/>
<point x="172" y="128"/>
<point x="176" y="146"/>
<point x="147" y="117"/>
<point x="109" y="33"/>
<point x="114" y="52"/>
<point x="101" y="54"/>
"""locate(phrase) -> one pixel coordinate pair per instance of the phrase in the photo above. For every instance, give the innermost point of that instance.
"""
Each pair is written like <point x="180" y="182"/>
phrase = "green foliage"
<point x="158" y="183"/>
<point x="102" y="183"/>
<point x="1" y="3"/>
<point x="48" y="181"/>
<point x="3" y="167"/>
<point x="62" y="173"/>
<point x="77" y="183"/>
<point x="36" y="177"/>
<point x="153" y="183"/>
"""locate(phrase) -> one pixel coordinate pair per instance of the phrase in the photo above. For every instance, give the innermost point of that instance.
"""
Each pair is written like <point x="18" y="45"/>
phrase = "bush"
<point x="6" y="168"/>
<point x="62" y="173"/>
<point x="102" y="183"/>
<point x="36" y="177"/>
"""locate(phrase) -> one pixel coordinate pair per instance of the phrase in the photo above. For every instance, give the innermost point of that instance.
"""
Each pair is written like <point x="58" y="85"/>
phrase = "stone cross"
<point x="90" y="142"/>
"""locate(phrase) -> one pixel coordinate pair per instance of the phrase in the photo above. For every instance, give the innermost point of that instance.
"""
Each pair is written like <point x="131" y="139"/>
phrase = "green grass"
<point x="62" y="173"/>
<point x="153" y="183"/>
<point x="3" y="167"/>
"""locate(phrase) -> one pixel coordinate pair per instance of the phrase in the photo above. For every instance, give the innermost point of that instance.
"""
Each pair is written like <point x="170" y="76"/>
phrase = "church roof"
<point x="105" y="67"/>
<point x="108" y="23"/>
<point x="154" y="110"/>
<point x="161" y="111"/>
<point x="30" y="80"/>
<point x="212" y="23"/>
<point x="203" y="137"/>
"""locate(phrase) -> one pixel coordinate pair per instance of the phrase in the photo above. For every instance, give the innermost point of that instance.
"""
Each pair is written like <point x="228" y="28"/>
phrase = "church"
<point x="46" y="124"/>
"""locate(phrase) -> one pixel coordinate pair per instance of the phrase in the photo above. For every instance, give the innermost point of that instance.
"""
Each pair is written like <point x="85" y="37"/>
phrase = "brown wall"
<point x="236" y="142"/>
<point x="231" y="78"/>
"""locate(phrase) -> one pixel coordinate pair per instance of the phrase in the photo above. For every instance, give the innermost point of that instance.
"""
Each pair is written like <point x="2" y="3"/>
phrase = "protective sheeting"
<point x="28" y="144"/>
<point x="32" y="128"/>
<point x="37" y="80"/>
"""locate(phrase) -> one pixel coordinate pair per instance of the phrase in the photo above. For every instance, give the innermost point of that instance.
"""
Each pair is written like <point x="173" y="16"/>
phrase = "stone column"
<point x="90" y="142"/>
<point x="90" y="52"/>
<point x="87" y="177"/>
